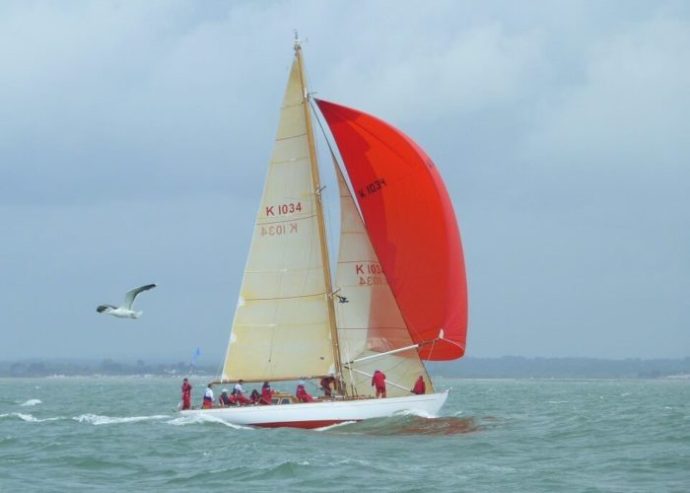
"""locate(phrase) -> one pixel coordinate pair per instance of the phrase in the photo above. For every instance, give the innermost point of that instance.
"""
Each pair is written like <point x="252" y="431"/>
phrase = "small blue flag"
<point x="196" y="355"/>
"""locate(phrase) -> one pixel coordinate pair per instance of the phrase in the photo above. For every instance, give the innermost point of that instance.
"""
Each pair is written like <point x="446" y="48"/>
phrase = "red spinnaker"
<point x="411" y="223"/>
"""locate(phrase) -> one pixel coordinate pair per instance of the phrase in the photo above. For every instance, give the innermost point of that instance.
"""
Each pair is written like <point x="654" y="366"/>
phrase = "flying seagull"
<point x="125" y="310"/>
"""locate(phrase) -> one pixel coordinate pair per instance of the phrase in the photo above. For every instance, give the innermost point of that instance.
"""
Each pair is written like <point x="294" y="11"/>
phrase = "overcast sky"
<point x="134" y="139"/>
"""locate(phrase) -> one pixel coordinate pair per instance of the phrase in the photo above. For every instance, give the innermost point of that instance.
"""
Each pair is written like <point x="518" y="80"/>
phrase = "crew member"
<point x="328" y="385"/>
<point x="302" y="394"/>
<point x="186" y="394"/>
<point x="378" y="380"/>
<point x="208" y="398"/>
<point x="266" y="394"/>
<point x="419" y="386"/>
<point x="239" y="393"/>
<point x="224" y="399"/>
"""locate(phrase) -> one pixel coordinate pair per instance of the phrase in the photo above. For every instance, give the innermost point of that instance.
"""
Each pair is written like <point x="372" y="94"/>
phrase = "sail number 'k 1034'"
<point x="283" y="209"/>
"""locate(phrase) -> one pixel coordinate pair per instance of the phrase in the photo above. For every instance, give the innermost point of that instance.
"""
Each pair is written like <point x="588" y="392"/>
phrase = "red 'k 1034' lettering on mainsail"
<point x="283" y="209"/>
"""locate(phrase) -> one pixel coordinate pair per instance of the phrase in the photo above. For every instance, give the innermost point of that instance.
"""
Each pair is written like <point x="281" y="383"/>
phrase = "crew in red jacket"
<point x="224" y="400"/>
<point x="378" y="380"/>
<point x="186" y="394"/>
<point x="266" y="394"/>
<point x="419" y="386"/>
<point x="328" y="385"/>
<point x="302" y="394"/>
<point x="238" y="391"/>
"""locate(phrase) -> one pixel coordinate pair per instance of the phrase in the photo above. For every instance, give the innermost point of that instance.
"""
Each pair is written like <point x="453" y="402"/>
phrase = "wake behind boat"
<point x="399" y="295"/>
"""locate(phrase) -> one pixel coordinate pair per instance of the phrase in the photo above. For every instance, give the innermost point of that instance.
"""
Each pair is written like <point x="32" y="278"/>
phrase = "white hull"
<point x="324" y="413"/>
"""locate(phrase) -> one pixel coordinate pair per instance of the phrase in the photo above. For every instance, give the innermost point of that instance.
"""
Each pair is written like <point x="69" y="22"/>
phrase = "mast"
<point x="320" y="219"/>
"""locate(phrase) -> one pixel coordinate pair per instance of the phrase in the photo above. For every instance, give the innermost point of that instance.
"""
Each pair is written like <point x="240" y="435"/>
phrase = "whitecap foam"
<point x="25" y="417"/>
<point x="97" y="420"/>
<point x="31" y="419"/>
<point x="415" y="412"/>
<point x="204" y="418"/>
<point x="31" y="402"/>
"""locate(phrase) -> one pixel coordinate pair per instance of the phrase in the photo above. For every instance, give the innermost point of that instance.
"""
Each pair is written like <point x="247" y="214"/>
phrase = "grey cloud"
<point x="134" y="138"/>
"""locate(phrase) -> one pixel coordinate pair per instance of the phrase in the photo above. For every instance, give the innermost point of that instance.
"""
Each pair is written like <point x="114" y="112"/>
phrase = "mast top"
<point x="298" y="44"/>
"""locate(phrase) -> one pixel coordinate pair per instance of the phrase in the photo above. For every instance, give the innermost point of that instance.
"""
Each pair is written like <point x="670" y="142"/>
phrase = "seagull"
<point x="125" y="310"/>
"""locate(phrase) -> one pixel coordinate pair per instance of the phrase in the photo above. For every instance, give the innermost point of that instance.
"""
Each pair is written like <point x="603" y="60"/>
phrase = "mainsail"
<point x="411" y="224"/>
<point x="283" y="327"/>
<point x="369" y="320"/>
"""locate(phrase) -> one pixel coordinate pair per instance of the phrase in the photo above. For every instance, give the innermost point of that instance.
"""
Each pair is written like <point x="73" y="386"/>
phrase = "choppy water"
<point x="117" y="434"/>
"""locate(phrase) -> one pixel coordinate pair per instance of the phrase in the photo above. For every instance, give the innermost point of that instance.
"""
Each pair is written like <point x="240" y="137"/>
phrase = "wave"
<point x="416" y="412"/>
<point x="30" y="418"/>
<point x="97" y="420"/>
<point x="336" y="425"/>
<point x="93" y="419"/>
<point x="31" y="402"/>
<point x="204" y="418"/>
<point x="410" y="424"/>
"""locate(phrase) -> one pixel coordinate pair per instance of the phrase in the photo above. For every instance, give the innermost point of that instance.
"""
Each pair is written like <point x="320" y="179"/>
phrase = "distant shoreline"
<point x="521" y="367"/>
<point x="504" y="367"/>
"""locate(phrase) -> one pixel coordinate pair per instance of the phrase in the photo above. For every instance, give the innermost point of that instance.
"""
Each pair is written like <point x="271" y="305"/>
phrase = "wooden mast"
<point x="320" y="218"/>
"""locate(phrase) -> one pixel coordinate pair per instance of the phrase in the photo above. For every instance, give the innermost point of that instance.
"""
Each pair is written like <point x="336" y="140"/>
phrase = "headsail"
<point x="283" y="326"/>
<point x="369" y="321"/>
<point x="412" y="226"/>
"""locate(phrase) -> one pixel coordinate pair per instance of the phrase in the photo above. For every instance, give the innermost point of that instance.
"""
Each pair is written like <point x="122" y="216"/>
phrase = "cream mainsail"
<point x="368" y="318"/>
<point x="283" y="327"/>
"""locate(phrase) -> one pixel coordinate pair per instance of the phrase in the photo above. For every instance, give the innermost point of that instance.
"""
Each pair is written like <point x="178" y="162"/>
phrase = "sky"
<point x="135" y="136"/>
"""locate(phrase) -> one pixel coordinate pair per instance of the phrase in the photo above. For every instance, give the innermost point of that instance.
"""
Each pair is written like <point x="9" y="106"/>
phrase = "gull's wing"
<point x="129" y="297"/>
<point x="102" y="308"/>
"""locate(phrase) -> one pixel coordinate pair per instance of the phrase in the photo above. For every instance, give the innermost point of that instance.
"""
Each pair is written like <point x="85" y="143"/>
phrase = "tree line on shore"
<point x="107" y="366"/>
<point x="521" y="367"/>
<point x="469" y="367"/>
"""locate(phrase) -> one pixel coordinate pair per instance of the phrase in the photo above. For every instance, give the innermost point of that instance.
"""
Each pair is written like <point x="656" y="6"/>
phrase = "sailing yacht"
<point x="399" y="294"/>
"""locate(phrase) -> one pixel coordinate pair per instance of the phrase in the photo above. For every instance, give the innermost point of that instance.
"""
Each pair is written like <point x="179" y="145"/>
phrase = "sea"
<point x="101" y="434"/>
